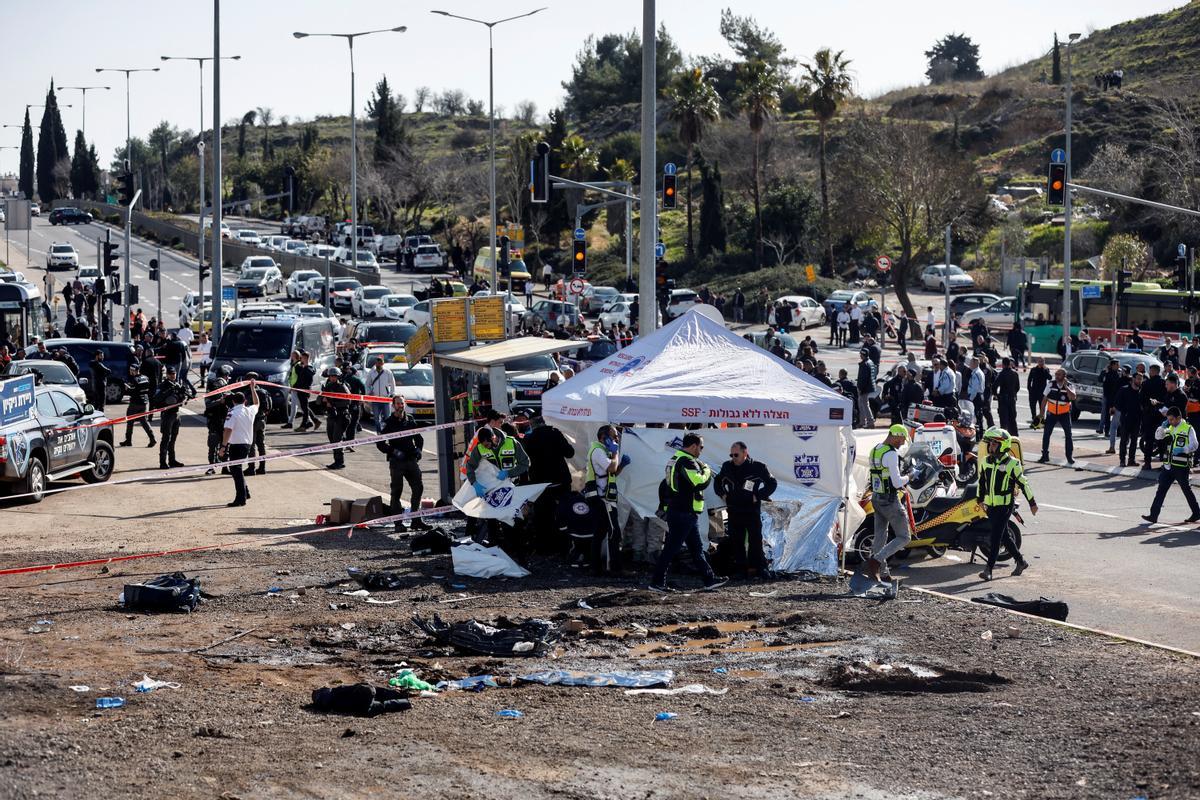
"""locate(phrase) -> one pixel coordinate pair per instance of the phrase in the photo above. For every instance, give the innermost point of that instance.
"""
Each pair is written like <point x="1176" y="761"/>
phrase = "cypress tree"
<point x="1055" y="64"/>
<point x="25" y="182"/>
<point x="712" y="211"/>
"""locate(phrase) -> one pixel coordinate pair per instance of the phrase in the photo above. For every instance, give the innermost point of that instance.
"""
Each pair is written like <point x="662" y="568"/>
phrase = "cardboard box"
<point x="339" y="510"/>
<point x="366" y="509"/>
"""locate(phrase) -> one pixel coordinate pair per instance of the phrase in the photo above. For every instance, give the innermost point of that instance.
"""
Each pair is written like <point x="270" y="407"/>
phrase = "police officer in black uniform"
<point x="100" y="377"/>
<point x="171" y="393"/>
<point x="354" y="385"/>
<point x="337" y="414"/>
<point x="260" y="423"/>
<point x="744" y="484"/>
<point x="138" y="388"/>
<point x="404" y="457"/>
<point x="216" y="409"/>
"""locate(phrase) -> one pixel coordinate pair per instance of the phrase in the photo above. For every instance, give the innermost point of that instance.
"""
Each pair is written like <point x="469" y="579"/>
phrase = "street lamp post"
<point x="350" y="37"/>
<point x="83" y="90"/>
<point x="1066" y="312"/>
<point x="200" y="151"/>
<point x="491" y="126"/>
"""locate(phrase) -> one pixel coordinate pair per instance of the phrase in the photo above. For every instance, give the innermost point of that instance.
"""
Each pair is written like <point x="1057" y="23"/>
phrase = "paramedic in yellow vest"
<point x="1056" y="410"/>
<point x="1000" y="475"/>
<point x="687" y="478"/>
<point x="503" y="452"/>
<point x="604" y="464"/>
<point x="1181" y="444"/>
<point x="887" y="498"/>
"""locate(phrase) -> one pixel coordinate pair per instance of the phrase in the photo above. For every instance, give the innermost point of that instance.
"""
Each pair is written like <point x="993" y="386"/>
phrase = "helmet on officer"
<point x="1000" y="436"/>
<point x="333" y="372"/>
<point x="225" y="371"/>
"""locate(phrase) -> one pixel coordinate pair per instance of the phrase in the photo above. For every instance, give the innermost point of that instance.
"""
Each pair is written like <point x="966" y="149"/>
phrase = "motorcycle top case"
<point x="174" y="592"/>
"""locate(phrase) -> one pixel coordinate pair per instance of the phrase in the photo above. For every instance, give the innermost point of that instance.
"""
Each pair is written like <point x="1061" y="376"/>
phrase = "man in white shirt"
<point x="856" y="315"/>
<point x="380" y="383"/>
<point x="238" y="438"/>
<point x="975" y="389"/>
<point x="930" y="319"/>
<point x="186" y="336"/>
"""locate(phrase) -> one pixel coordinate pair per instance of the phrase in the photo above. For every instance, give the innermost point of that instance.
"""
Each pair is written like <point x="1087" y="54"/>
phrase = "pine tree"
<point x="46" y="157"/>
<point x="25" y="182"/>
<point x="390" y="136"/>
<point x="1055" y="64"/>
<point x="712" y="211"/>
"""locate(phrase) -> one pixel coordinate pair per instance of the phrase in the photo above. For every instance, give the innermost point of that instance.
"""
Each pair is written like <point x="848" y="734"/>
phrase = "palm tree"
<point x="829" y="83"/>
<point x="579" y="161"/>
<point x="247" y="119"/>
<point x="757" y="95"/>
<point x="266" y="117"/>
<point x="695" y="105"/>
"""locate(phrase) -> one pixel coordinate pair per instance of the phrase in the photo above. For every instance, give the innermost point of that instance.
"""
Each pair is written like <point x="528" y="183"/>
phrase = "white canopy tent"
<point x="695" y="370"/>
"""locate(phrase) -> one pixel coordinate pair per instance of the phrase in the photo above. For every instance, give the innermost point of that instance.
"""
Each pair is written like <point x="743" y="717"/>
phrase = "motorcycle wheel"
<point x="860" y="544"/>
<point x="968" y="473"/>
<point x="936" y="550"/>
<point x="985" y="547"/>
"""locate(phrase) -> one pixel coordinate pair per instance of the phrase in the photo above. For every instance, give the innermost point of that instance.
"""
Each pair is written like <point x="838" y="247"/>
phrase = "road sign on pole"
<point x="660" y="250"/>
<point x="1091" y="292"/>
<point x="669" y="168"/>
<point x="1058" y="156"/>
<point x="576" y="286"/>
<point x="883" y="263"/>
<point x="580" y="233"/>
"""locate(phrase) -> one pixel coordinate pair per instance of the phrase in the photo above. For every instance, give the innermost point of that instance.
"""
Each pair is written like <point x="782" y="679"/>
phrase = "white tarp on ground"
<point x="695" y="370"/>
<point x="473" y="560"/>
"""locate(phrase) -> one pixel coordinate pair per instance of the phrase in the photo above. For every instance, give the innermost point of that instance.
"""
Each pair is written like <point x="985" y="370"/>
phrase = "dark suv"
<point x="69" y="216"/>
<point x="265" y="344"/>
<point x="117" y="356"/>
<point x="58" y="439"/>
<point x="1085" y="371"/>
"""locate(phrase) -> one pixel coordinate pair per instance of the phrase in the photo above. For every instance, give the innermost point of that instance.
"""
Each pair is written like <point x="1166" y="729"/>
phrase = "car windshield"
<point x="375" y="291"/>
<point x="63" y="248"/>
<point x="51" y="372"/>
<point x="412" y="377"/>
<point x="604" y="291"/>
<point x="342" y="284"/>
<point x="386" y="332"/>
<point x="305" y="275"/>
<point x="542" y="363"/>
<point x="401" y="302"/>
<point x="956" y="271"/>
<point x="254" y="274"/>
<point x="366" y="257"/>
<point x="596" y="351"/>
<point x="924" y="464"/>
<point x="427" y="249"/>
<point x="250" y="342"/>
<point x="262" y="262"/>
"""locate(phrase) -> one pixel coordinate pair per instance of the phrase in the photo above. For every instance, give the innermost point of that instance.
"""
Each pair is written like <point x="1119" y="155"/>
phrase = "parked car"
<point x="415" y="384"/>
<point x="527" y="378"/>
<point x="428" y="256"/>
<point x="855" y="297"/>
<point x="275" y="242"/>
<point x="766" y="340"/>
<point x="52" y="373"/>
<point x="681" y="301"/>
<point x="259" y="282"/>
<point x="616" y="312"/>
<point x="257" y="309"/>
<point x="969" y="302"/>
<point x="366" y="259"/>
<point x="59" y="439"/>
<point x="35" y="210"/>
<point x="597" y="348"/>
<point x="363" y="331"/>
<point x="294" y="288"/>
<point x="419" y="314"/>
<point x="251" y="262"/>
<point x="553" y="313"/>
<point x="806" y="312"/>
<point x="411" y="243"/>
<point x="87" y="273"/>
<point x="312" y="310"/>
<point x="997" y="315"/>
<point x="1084" y="370"/>
<point x="226" y="231"/>
<point x="321" y="251"/>
<point x="624" y="297"/>
<point x="117" y="355"/>
<point x="935" y="277"/>
<point x="61" y="254"/>
<point x="394" y="306"/>
<point x="203" y="321"/>
<point x="390" y="246"/>
<point x="69" y="216"/>
<point x="250" y="237"/>
<point x="390" y="352"/>
<point x="594" y="298"/>
<point x="313" y="290"/>
<point x="366" y="299"/>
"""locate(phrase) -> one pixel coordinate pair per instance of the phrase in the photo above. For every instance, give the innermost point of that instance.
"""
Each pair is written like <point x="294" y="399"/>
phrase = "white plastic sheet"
<point x="476" y="561"/>
<point x="503" y="500"/>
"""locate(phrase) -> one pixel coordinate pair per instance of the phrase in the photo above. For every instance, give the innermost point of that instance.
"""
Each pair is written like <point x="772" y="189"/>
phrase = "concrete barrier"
<point x="232" y="253"/>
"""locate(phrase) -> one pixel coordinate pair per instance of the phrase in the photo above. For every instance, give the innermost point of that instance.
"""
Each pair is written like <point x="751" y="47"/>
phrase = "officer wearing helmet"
<point x="887" y="484"/>
<point x="216" y="409"/>
<point x="1181" y="444"/>
<point x="337" y="413"/>
<point x="1000" y="473"/>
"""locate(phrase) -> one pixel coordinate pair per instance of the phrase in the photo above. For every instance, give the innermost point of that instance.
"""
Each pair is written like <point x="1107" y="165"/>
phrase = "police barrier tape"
<point x="272" y="456"/>
<point x="92" y="562"/>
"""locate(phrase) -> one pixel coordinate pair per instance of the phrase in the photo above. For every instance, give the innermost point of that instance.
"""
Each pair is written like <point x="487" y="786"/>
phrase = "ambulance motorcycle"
<point x="941" y="516"/>
<point x="951" y="436"/>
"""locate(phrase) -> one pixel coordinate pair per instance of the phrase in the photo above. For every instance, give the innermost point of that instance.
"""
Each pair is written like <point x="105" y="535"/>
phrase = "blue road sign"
<point x="228" y="293"/>
<point x="660" y="250"/>
<point x="579" y="234"/>
<point x="1058" y="156"/>
<point x="16" y="399"/>
<point x="1182" y="250"/>
<point x="1091" y="292"/>
<point x="669" y="168"/>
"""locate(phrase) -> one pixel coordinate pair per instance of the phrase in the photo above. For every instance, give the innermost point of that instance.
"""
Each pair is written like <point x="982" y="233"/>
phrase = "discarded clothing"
<point x="376" y="581"/>
<point x="174" y="592"/>
<point x="1042" y="607"/>
<point x="691" y="688"/>
<point x="531" y="638"/>
<point x="633" y="680"/>
<point x="407" y="679"/>
<point x="434" y="542"/>
<point x="863" y="586"/>
<point x="473" y="683"/>
<point x="476" y="561"/>
<point x="359" y="700"/>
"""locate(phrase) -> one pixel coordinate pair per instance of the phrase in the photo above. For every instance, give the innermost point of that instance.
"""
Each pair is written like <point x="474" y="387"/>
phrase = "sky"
<point x="302" y="78"/>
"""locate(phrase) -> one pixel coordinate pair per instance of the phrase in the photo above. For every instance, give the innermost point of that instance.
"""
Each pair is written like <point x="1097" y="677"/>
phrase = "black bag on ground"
<point x="1042" y="607"/>
<point x="376" y="581"/>
<point x="359" y="700"/>
<point x="435" y="542"/>
<point x="174" y="592"/>
<point x="530" y="638"/>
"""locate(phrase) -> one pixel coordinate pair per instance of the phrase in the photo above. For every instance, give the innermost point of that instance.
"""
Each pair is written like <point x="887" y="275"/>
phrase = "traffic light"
<point x="1124" y="281"/>
<point x="109" y="267"/>
<point x="579" y="257"/>
<point x="1056" y="185"/>
<point x="539" y="175"/>
<point x="131" y="295"/>
<point x="125" y="187"/>
<point x="1181" y="273"/>
<point x="503" y="258"/>
<point x="204" y="271"/>
<point x="669" y="199"/>
<point x="153" y="269"/>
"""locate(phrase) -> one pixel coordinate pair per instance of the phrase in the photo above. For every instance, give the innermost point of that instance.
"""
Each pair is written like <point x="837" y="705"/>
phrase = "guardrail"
<point x="232" y="252"/>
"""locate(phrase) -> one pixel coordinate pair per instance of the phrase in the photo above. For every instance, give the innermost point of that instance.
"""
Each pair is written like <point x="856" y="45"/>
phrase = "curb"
<point x="1123" y="472"/>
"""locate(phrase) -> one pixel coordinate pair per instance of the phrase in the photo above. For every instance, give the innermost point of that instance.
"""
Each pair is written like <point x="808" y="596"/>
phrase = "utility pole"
<point x="648" y="226"/>
<point x="200" y="242"/>
<point x="946" y="286"/>
<point x="1066" y="312"/>
<point x="218" y="195"/>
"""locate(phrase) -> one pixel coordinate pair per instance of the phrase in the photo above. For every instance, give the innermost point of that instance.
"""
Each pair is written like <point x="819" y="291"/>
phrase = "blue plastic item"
<point x="509" y="713"/>
<point x="721" y="671"/>
<point x="663" y="716"/>
<point x="502" y="474"/>
<point x="480" y="489"/>
<point x="110" y="702"/>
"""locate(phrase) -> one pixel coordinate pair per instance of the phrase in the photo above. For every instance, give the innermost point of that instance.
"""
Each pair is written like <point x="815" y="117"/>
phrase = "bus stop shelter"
<point x="487" y="360"/>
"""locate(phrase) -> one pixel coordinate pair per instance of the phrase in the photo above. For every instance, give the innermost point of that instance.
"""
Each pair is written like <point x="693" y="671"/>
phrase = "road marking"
<point x="1078" y="511"/>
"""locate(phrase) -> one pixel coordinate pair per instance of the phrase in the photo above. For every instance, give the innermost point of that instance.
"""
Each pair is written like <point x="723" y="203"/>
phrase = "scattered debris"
<point x="110" y="702"/>
<point x="1012" y="632"/>
<point x="510" y="713"/>
<point x="475" y="637"/>
<point x="986" y="636"/>
<point x="474" y="683"/>
<point x="663" y="716"/>
<point x="359" y="700"/>
<point x="622" y="599"/>
<point x="206" y="732"/>
<point x="765" y="594"/>
<point x="148" y="684"/>
<point x="691" y="688"/>
<point x="358" y="593"/>
<point x="80" y="688"/>
<point x="476" y="561"/>
<point x="173" y="592"/>
<point x="375" y="581"/>
<point x="1042" y="607"/>
<point x="906" y="678"/>
<point x="628" y="679"/>
<point x="407" y="679"/>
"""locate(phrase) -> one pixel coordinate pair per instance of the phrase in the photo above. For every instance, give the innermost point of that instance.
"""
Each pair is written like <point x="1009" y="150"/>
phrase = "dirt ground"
<point x="1050" y="714"/>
